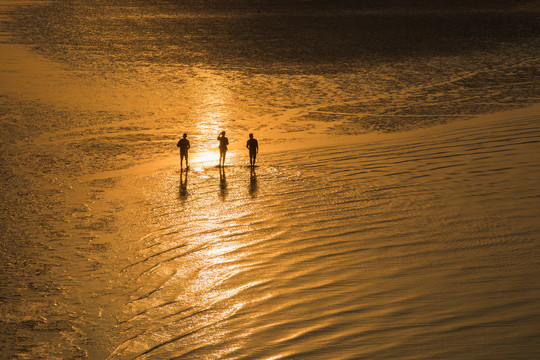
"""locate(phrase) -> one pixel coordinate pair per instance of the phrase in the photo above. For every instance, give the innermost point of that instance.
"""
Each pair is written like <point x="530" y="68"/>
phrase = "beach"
<point x="393" y="212"/>
<point x="426" y="238"/>
<point x="421" y="251"/>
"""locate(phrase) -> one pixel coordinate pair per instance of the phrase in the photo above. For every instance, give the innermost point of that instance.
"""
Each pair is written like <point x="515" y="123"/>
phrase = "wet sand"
<point x="348" y="240"/>
<point x="419" y="245"/>
<point x="414" y="245"/>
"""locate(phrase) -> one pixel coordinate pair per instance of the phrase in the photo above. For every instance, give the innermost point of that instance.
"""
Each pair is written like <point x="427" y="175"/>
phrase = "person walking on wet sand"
<point x="253" y="146"/>
<point x="223" y="142"/>
<point x="184" y="146"/>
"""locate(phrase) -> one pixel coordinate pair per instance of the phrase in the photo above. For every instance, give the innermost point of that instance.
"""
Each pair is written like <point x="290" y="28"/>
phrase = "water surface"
<point x="350" y="240"/>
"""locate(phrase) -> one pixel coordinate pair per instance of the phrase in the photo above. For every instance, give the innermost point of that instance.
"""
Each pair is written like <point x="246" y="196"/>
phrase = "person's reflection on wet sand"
<point x="222" y="183"/>
<point x="183" y="184"/>
<point x="253" y="185"/>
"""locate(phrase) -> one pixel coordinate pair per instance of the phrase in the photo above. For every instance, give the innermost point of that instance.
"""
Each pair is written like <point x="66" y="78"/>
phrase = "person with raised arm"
<point x="223" y="142"/>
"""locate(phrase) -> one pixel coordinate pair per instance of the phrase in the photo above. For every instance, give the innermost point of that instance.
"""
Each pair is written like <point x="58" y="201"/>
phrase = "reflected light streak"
<point x="214" y="112"/>
<point x="209" y="158"/>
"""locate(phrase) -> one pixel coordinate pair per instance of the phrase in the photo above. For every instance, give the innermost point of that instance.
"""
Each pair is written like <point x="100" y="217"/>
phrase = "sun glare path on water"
<point x="209" y="158"/>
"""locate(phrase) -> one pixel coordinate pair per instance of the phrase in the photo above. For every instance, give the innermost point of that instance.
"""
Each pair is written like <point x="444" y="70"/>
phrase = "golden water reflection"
<point x="213" y="110"/>
<point x="303" y="259"/>
<point x="194" y="267"/>
<point x="210" y="158"/>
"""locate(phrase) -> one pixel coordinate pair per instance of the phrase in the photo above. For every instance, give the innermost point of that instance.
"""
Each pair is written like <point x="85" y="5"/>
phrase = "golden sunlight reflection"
<point x="384" y="216"/>
<point x="208" y="158"/>
<point x="214" y="112"/>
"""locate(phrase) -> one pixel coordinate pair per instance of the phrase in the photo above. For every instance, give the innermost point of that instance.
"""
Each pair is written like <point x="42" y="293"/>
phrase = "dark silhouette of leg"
<point x="182" y="157"/>
<point x="180" y="160"/>
<point x="222" y="156"/>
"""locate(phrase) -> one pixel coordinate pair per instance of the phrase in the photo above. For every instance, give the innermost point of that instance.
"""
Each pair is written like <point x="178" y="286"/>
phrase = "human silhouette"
<point x="253" y="146"/>
<point x="223" y="142"/>
<point x="184" y="146"/>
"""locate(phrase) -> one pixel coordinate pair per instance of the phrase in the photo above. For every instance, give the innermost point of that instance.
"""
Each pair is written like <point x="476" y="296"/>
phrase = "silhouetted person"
<point x="253" y="146"/>
<point x="184" y="146"/>
<point x="223" y="142"/>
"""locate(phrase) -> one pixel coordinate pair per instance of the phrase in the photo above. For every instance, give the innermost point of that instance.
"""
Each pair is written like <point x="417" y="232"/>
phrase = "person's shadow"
<point x="222" y="183"/>
<point x="183" y="184"/>
<point x="253" y="184"/>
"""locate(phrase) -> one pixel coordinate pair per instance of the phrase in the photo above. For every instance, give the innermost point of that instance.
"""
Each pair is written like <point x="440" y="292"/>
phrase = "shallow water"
<point x="407" y="248"/>
<point x="288" y="72"/>
<point x="345" y="242"/>
<point x="418" y="245"/>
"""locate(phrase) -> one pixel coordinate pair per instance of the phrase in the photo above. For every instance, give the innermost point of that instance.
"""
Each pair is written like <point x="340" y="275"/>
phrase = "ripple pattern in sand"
<point x="420" y="246"/>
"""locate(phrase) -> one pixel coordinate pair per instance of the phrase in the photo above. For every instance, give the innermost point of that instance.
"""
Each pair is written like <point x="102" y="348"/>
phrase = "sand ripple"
<point x="418" y="246"/>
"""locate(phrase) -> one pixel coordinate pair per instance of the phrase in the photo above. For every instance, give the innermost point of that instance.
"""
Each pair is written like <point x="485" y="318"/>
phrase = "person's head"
<point x="251" y="136"/>
<point x="223" y="133"/>
<point x="185" y="135"/>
